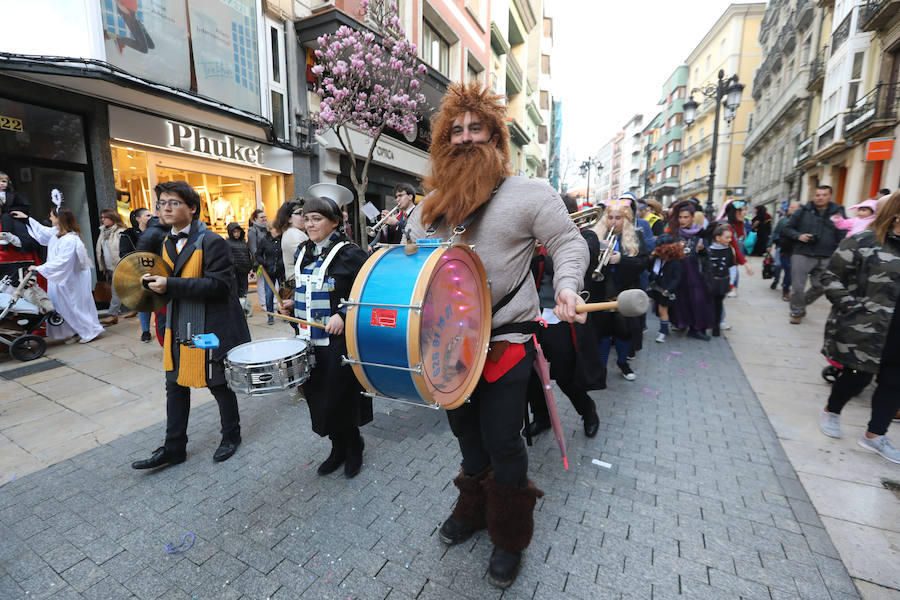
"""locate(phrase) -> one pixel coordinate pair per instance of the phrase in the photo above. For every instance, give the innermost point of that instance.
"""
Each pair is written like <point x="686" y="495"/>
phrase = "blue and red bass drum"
<point x="419" y="323"/>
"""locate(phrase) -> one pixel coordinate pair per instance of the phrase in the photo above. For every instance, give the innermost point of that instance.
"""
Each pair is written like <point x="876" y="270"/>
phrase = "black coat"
<point x="334" y="395"/>
<point x="15" y="201"/>
<point x="268" y="255"/>
<point x="217" y="288"/>
<point x="669" y="276"/>
<point x="826" y="236"/>
<point x="128" y="241"/>
<point x="151" y="240"/>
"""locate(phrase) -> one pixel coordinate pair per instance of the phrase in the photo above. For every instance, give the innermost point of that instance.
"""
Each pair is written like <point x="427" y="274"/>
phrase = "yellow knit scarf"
<point x="191" y="361"/>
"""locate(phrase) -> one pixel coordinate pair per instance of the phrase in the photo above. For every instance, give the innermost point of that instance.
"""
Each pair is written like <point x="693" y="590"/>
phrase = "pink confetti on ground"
<point x="649" y="392"/>
<point x="702" y="364"/>
<point x="306" y="464"/>
<point x="682" y="371"/>
<point x="675" y="353"/>
<point x="668" y="358"/>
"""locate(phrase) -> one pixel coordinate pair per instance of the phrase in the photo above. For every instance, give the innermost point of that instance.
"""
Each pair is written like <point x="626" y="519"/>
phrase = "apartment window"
<point x="680" y="91"/>
<point x="471" y="74"/>
<point x="545" y="100"/>
<point x="722" y="47"/>
<point x="708" y="61"/>
<point x="548" y="27"/>
<point x="673" y="146"/>
<point x="435" y="49"/>
<point x="676" y="119"/>
<point x="276" y="71"/>
<point x="855" y="79"/>
<point x="545" y="64"/>
<point x="697" y="172"/>
<point x="672" y="172"/>
<point x="543" y="136"/>
<point x="476" y="7"/>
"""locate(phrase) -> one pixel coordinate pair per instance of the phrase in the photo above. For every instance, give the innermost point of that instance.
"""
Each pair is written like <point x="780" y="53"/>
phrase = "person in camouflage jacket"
<point x="863" y="330"/>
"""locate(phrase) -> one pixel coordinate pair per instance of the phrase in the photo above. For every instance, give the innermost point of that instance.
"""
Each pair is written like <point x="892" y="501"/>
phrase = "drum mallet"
<point x="630" y="303"/>
<point x="294" y="319"/>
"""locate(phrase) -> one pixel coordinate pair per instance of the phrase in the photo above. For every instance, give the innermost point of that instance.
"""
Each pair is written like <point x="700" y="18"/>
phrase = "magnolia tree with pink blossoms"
<point x="368" y="81"/>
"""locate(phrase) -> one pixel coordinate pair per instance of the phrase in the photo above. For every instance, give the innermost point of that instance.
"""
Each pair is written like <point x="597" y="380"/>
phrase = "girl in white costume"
<point x="68" y="274"/>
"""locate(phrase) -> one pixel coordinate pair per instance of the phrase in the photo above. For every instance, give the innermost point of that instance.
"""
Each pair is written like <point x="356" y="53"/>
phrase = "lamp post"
<point x="585" y="169"/>
<point x="730" y="90"/>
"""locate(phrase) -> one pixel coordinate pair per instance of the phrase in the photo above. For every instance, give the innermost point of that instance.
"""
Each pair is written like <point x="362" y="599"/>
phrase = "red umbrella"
<point x="543" y="369"/>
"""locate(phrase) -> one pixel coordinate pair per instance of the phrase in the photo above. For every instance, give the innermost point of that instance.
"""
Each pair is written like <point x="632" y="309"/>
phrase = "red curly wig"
<point x="462" y="177"/>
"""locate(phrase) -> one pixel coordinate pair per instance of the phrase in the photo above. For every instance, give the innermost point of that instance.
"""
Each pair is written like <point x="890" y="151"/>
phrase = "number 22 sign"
<point x="10" y="124"/>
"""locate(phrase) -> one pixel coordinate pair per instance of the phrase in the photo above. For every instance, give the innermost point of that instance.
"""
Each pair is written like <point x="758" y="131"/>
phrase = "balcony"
<point x="828" y="139"/>
<point x="697" y="147"/>
<point x="668" y="185"/>
<point x="674" y="133"/>
<point x="841" y="33"/>
<point x="804" y="152"/>
<point x="693" y="186"/>
<point x="672" y="158"/>
<point x="514" y="76"/>
<point x="874" y="111"/>
<point x="817" y="70"/>
<point x="876" y="14"/>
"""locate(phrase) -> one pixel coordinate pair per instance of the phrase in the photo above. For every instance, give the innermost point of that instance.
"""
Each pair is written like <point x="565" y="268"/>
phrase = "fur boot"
<point x="510" y="523"/>
<point x="468" y="514"/>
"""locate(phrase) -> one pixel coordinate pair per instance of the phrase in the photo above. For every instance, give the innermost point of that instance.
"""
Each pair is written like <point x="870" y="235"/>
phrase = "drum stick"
<point x="268" y="279"/>
<point x="294" y="319"/>
<point x="595" y="306"/>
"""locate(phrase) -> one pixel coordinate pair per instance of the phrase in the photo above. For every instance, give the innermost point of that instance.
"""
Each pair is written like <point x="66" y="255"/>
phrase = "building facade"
<point x="791" y="66"/>
<point x="666" y="139"/>
<point x="849" y="143"/>
<point x="631" y="154"/>
<point x="730" y="46"/>
<point x="106" y="103"/>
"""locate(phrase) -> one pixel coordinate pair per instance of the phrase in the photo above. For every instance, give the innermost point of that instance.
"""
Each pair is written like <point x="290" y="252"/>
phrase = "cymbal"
<point x="129" y="287"/>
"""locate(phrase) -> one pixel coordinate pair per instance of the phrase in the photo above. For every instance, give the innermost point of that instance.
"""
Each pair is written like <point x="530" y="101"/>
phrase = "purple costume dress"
<point x="693" y="306"/>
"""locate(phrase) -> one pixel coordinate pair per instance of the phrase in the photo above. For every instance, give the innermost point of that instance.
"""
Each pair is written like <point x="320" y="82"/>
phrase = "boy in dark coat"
<point x="203" y="300"/>
<point x="243" y="260"/>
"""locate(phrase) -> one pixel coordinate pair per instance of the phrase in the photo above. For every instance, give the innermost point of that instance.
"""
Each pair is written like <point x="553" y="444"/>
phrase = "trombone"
<point x="587" y="217"/>
<point x="375" y="229"/>
<point x="598" y="275"/>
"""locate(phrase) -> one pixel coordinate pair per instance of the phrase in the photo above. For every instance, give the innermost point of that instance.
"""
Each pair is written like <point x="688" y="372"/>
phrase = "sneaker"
<point x="271" y="321"/>
<point x="660" y="337"/>
<point x="724" y="326"/>
<point x="145" y="336"/>
<point x="774" y="284"/>
<point x="830" y="424"/>
<point x="732" y="293"/>
<point x="880" y="445"/>
<point x="627" y="373"/>
<point x="786" y="296"/>
<point x="796" y="320"/>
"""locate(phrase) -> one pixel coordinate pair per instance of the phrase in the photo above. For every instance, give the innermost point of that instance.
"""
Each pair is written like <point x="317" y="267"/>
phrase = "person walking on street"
<point x="783" y="248"/>
<point x="503" y="215"/>
<point x="128" y="243"/>
<point x="203" y="299"/>
<point x="815" y="238"/>
<point x="243" y="262"/>
<point x="862" y="333"/>
<point x="107" y="249"/>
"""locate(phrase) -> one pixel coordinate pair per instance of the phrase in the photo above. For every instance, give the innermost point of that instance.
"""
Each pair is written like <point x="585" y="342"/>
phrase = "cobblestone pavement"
<point x="698" y="501"/>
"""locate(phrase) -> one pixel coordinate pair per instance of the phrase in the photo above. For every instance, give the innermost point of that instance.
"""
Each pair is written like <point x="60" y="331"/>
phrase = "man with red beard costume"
<point x="470" y="185"/>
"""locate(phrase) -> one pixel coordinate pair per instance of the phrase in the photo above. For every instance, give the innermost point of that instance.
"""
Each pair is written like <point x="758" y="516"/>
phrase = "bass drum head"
<point x="263" y="351"/>
<point x="455" y="327"/>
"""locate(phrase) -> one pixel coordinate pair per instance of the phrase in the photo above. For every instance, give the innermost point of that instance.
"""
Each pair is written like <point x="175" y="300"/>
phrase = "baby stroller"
<point x="24" y="310"/>
<point x="832" y="371"/>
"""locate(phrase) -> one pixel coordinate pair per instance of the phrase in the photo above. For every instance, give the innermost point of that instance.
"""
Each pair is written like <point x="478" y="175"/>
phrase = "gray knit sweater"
<point x="522" y="211"/>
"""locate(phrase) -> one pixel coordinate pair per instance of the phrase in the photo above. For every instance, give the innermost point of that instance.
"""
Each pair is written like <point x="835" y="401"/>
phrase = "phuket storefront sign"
<point x="148" y="130"/>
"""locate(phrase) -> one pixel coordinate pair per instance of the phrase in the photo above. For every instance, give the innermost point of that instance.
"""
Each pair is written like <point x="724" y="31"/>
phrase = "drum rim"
<point x="419" y="296"/>
<point x="251" y="342"/>
<point x="353" y="315"/>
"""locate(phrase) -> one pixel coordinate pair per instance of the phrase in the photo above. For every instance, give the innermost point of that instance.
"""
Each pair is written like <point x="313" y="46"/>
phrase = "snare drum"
<point x="418" y="325"/>
<point x="268" y="366"/>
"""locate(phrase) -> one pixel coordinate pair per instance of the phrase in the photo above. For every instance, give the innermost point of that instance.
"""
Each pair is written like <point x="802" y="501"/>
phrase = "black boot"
<point x="337" y="456"/>
<point x="510" y="522"/>
<point x="591" y="420"/>
<point x="468" y="514"/>
<point x="355" y="445"/>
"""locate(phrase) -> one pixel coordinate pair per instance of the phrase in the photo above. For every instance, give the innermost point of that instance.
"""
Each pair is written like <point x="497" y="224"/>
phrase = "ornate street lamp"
<point x="585" y="169"/>
<point x="731" y="91"/>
